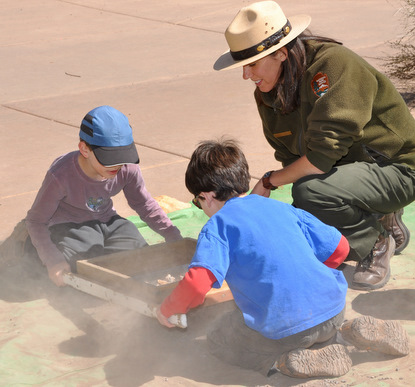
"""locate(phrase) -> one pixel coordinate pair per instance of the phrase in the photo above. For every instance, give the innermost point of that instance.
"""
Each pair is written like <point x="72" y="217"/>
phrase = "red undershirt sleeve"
<point x="339" y="255"/>
<point x="189" y="292"/>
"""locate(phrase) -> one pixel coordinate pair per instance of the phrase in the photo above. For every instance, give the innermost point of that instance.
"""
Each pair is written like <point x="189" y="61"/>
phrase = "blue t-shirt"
<point x="271" y="255"/>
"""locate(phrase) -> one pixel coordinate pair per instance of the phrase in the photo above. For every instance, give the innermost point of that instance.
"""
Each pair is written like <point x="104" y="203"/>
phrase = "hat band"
<point x="264" y="45"/>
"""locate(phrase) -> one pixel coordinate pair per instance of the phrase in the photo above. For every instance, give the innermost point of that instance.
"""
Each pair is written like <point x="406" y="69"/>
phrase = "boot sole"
<point x="405" y="231"/>
<point x="371" y="334"/>
<point x="330" y="361"/>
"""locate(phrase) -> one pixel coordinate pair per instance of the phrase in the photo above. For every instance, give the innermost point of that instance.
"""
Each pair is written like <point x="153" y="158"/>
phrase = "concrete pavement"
<point x="153" y="61"/>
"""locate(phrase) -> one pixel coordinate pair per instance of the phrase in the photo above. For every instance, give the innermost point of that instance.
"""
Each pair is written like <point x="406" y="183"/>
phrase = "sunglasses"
<point x="196" y="201"/>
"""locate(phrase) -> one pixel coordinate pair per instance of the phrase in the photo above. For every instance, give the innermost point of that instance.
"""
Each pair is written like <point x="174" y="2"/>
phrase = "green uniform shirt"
<point x="349" y="112"/>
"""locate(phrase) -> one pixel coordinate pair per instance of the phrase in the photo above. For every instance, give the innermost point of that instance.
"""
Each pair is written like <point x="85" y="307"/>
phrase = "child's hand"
<point x="259" y="189"/>
<point x="56" y="273"/>
<point x="162" y="319"/>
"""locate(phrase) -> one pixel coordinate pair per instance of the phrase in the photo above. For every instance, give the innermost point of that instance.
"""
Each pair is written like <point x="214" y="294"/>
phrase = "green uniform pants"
<point x="353" y="197"/>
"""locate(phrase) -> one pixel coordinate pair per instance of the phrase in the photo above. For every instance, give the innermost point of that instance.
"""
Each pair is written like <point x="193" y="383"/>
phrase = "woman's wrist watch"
<point x="266" y="183"/>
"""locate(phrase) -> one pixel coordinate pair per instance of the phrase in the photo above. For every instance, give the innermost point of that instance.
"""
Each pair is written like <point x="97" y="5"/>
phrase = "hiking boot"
<point x="373" y="272"/>
<point x="330" y="361"/>
<point x="394" y="225"/>
<point x="371" y="334"/>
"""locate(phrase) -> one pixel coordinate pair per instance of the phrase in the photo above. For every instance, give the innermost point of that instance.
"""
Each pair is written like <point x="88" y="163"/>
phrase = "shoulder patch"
<point x="320" y="84"/>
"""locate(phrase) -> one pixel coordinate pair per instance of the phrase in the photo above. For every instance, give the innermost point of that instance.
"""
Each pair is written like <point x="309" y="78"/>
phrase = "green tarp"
<point x="191" y="220"/>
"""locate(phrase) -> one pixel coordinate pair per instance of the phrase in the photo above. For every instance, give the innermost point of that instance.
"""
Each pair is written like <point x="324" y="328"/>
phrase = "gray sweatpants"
<point x="232" y="341"/>
<point x="352" y="197"/>
<point x="94" y="238"/>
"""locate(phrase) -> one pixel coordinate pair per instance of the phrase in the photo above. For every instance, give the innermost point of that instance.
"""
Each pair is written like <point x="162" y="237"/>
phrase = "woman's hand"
<point x="287" y="175"/>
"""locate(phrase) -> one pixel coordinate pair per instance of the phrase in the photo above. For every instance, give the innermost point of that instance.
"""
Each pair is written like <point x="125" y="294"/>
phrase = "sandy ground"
<point x="63" y="337"/>
<point x="153" y="61"/>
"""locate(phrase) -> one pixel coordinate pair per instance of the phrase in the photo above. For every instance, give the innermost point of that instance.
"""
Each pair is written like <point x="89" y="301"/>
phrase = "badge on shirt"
<point x="94" y="203"/>
<point x="320" y="84"/>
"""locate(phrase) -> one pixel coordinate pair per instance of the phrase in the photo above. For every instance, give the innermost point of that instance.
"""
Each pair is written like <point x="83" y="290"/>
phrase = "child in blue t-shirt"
<point x="279" y="262"/>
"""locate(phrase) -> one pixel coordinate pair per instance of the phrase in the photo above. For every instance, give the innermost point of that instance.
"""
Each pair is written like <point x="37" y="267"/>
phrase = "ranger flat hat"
<point x="257" y="31"/>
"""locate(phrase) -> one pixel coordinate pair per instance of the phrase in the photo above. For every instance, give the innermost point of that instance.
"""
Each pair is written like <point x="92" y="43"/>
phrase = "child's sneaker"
<point x="369" y="333"/>
<point x="330" y="361"/>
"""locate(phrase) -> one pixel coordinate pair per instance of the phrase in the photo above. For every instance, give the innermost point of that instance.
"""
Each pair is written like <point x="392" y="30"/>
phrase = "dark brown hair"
<point x="86" y="143"/>
<point x="287" y="89"/>
<point x="219" y="166"/>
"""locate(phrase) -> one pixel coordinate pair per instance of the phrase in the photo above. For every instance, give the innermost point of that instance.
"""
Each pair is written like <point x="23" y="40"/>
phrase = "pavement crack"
<point x="180" y="24"/>
<point x="75" y="126"/>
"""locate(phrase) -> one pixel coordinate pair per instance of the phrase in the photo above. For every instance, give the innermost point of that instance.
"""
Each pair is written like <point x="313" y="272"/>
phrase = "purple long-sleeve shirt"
<point x="67" y="195"/>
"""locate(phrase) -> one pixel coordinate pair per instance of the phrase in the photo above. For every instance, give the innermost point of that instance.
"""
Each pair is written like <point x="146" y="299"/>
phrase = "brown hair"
<point x="86" y="143"/>
<point x="219" y="166"/>
<point x="287" y="89"/>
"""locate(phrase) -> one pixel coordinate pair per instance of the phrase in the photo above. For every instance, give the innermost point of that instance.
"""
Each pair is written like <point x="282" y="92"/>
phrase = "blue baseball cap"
<point x="109" y="133"/>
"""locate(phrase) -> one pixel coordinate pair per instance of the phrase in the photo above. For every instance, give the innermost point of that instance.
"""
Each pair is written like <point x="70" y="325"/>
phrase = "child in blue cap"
<point x="73" y="218"/>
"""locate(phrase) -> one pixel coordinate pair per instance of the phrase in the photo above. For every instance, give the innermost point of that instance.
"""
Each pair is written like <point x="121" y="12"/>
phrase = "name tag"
<point x="283" y="134"/>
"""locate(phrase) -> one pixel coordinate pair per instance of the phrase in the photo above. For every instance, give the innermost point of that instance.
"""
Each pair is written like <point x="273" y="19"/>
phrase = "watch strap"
<point x="266" y="181"/>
